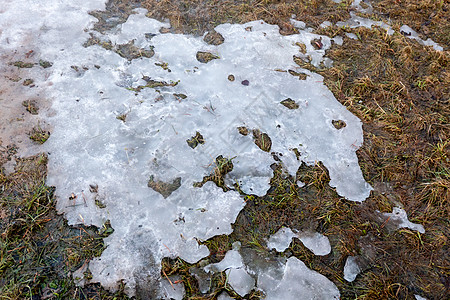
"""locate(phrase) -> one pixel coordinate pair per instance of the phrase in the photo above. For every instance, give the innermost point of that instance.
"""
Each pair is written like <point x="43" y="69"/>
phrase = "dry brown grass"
<point x="198" y="16"/>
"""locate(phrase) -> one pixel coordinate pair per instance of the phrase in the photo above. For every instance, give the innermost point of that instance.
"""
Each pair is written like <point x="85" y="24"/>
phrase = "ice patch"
<point x="399" y="218"/>
<point x="357" y="21"/>
<point x="314" y="241"/>
<point x="122" y="127"/>
<point x="418" y="297"/>
<point x="410" y="33"/>
<point x="351" y="269"/>
<point x="281" y="240"/>
<point x="298" y="280"/>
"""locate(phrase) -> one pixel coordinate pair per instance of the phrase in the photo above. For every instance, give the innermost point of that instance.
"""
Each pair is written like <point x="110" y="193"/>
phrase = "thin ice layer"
<point x="399" y="218"/>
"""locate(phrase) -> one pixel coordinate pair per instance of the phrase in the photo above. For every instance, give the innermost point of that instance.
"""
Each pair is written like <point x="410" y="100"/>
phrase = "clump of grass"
<point x="39" y="135"/>
<point x="21" y="65"/>
<point x="223" y="167"/>
<point x="31" y="106"/>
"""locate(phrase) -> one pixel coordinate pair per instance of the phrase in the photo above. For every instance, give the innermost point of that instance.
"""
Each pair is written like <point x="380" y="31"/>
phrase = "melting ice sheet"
<point x="107" y="163"/>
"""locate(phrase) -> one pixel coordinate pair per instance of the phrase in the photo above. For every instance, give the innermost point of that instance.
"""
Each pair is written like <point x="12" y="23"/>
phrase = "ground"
<point x="397" y="87"/>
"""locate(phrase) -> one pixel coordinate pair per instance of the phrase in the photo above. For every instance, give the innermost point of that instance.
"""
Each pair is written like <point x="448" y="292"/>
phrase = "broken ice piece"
<point x="203" y="279"/>
<point x="281" y="240"/>
<point x="241" y="282"/>
<point x="224" y="296"/>
<point x="191" y="251"/>
<point x="172" y="288"/>
<point x="238" y="278"/>
<point x="297" y="280"/>
<point x="351" y="268"/>
<point x="317" y="243"/>
<point x="398" y="217"/>
<point x="232" y="259"/>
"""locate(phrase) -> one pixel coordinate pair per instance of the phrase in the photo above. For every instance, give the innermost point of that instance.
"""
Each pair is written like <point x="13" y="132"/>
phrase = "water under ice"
<point x="101" y="159"/>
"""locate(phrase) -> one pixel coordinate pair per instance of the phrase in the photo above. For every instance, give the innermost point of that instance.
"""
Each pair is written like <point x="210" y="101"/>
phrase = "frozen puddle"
<point x="132" y="136"/>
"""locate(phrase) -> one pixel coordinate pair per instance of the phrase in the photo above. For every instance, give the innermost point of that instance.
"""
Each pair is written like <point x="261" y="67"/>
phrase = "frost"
<point x="351" y="269"/>
<point x="314" y="241"/>
<point x="121" y="126"/>
<point x="399" y="218"/>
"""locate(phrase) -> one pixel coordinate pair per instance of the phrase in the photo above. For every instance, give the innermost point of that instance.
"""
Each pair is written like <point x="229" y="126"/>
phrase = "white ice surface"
<point x="298" y="282"/>
<point x="418" y="297"/>
<point x="90" y="146"/>
<point x="400" y="218"/>
<point x="314" y="241"/>
<point x="351" y="269"/>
